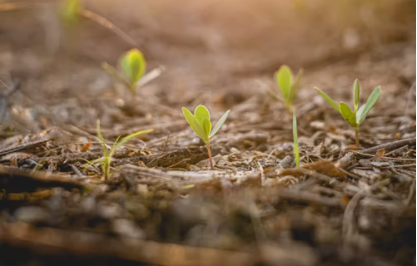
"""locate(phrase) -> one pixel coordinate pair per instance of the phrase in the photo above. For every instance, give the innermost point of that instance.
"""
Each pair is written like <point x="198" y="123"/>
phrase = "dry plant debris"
<point x="161" y="203"/>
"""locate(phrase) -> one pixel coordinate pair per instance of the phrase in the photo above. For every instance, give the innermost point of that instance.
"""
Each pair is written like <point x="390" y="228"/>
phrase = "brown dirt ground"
<point x="161" y="204"/>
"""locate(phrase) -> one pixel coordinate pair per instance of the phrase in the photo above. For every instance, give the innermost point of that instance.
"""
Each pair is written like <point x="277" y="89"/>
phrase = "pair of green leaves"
<point x="288" y="85"/>
<point x="132" y="65"/>
<point x="200" y="122"/>
<point x="357" y="116"/>
<point x="107" y="156"/>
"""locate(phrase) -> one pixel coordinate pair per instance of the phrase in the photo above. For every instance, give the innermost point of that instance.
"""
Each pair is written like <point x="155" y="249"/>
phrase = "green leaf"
<point x="114" y="145"/>
<point x="356" y="92"/>
<point x="296" y="85"/>
<point x="117" y="144"/>
<point x="372" y="99"/>
<point x="275" y="96"/>
<point x="295" y="136"/>
<point x="192" y="121"/>
<point x="284" y="80"/>
<point x="70" y="10"/>
<point x="201" y="113"/>
<point x="115" y="74"/>
<point x="206" y="127"/>
<point x="219" y="124"/>
<point x="133" y="64"/>
<point x="347" y="114"/>
<point x="328" y="99"/>
<point x="133" y="135"/>
<point x="359" y="114"/>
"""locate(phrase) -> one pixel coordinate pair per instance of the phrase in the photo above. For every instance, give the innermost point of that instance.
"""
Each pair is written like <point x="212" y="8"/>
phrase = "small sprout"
<point x="132" y="68"/>
<point x="69" y="11"/>
<point x="200" y="123"/>
<point x="295" y="137"/>
<point x="108" y="155"/>
<point x="358" y="115"/>
<point x="287" y="85"/>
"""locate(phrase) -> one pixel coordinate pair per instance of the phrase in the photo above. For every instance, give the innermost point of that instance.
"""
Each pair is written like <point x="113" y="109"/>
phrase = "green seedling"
<point x="132" y="68"/>
<point x="288" y="86"/>
<point x="200" y="123"/>
<point x="295" y="137"/>
<point x="358" y="115"/>
<point x="108" y="155"/>
<point x="69" y="11"/>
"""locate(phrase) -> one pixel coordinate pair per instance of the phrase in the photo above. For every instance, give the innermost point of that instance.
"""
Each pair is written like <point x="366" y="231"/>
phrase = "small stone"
<point x="127" y="228"/>
<point x="109" y="212"/>
<point x="88" y="204"/>
<point x="32" y="214"/>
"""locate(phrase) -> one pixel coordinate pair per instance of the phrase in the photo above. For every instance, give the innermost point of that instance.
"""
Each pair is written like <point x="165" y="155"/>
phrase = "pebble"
<point x="31" y="214"/>
<point x="127" y="228"/>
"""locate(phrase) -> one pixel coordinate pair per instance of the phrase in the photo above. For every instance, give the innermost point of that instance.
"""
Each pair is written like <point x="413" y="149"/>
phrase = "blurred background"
<point x="216" y="48"/>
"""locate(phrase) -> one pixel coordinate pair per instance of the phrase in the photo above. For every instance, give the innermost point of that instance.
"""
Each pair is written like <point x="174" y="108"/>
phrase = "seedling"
<point x="70" y="10"/>
<point x="295" y="137"/>
<point x="358" y="115"/>
<point x="288" y="86"/>
<point x="132" y="68"/>
<point x="200" y="123"/>
<point x="108" y="155"/>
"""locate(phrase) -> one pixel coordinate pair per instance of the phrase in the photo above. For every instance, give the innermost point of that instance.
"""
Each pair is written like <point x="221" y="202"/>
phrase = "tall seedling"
<point x="358" y="115"/>
<point x="200" y="123"/>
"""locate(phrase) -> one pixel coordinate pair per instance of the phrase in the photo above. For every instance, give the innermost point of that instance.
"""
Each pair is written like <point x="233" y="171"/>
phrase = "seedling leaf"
<point x="284" y="81"/>
<point x="115" y="74"/>
<point x="194" y="124"/>
<point x="372" y="99"/>
<point x="69" y="10"/>
<point x="347" y="114"/>
<point x="133" y="64"/>
<point x="129" y="137"/>
<point x="201" y="113"/>
<point x="356" y="92"/>
<point x="206" y="127"/>
<point x="219" y="124"/>
<point x="275" y="96"/>
<point x="296" y="85"/>
<point x="359" y="114"/>
<point x="328" y="99"/>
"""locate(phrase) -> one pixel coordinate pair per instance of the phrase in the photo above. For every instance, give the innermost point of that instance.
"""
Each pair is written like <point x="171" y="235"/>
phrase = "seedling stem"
<point x="357" y="136"/>
<point x="209" y="154"/>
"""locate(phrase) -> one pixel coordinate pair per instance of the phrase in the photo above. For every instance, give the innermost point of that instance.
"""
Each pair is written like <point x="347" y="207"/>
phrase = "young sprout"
<point x="358" y="115"/>
<point x="108" y="155"/>
<point x="200" y="123"/>
<point x="295" y="137"/>
<point x="287" y="85"/>
<point x="69" y="11"/>
<point x="132" y="68"/>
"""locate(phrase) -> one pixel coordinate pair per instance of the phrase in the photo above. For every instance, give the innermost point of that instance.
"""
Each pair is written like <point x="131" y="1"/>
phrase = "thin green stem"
<point x="288" y="105"/>
<point x="357" y="136"/>
<point x="209" y="153"/>
<point x="107" y="167"/>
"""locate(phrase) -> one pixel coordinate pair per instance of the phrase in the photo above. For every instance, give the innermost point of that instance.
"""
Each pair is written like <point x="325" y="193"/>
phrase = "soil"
<point x="162" y="204"/>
